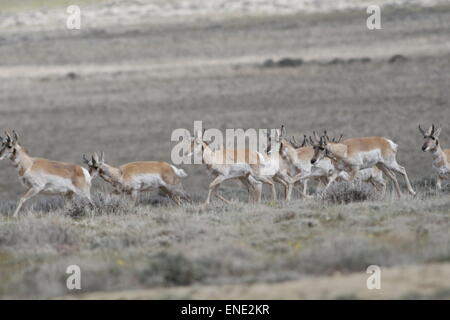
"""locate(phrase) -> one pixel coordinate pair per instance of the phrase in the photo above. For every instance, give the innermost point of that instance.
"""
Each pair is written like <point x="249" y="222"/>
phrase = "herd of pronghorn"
<point x="284" y="161"/>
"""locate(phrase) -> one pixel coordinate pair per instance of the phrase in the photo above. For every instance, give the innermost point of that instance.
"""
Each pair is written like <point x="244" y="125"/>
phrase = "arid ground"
<point x="122" y="88"/>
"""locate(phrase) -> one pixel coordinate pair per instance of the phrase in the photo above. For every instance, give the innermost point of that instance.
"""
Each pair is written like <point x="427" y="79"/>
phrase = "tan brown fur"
<point x="143" y="167"/>
<point x="356" y="145"/>
<point x="66" y="170"/>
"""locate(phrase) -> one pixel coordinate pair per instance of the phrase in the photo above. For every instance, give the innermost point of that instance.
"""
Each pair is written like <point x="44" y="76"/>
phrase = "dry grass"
<point x="119" y="246"/>
<point x="124" y="89"/>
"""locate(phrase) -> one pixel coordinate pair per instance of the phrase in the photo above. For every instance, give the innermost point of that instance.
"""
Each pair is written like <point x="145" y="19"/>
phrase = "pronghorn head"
<point x="322" y="145"/>
<point x="431" y="138"/>
<point x="9" y="145"/>
<point x="285" y="145"/>
<point x="96" y="164"/>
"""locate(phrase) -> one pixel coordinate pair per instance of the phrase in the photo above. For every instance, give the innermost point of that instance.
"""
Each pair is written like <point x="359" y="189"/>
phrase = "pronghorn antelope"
<point x="441" y="157"/>
<point x="299" y="158"/>
<point x="45" y="176"/>
<point x="134" y="177"/>
<point x="248" y="166"/>
<point x="371" y="175"/>
<point x="280" y="169"/>
<point x="355" y="154"/>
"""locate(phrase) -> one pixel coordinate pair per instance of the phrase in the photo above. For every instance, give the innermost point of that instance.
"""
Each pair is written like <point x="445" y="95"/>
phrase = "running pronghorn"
<point x="279" y="168"/>
<point x="246" y="165"/>
<point x="355" y="154"/>
<point x="440" y="157"/>
<point x="371" y="175"/>
<point x="45" y="176"/>
<point x="134" y="177"/>
<point x="299" y="157"/>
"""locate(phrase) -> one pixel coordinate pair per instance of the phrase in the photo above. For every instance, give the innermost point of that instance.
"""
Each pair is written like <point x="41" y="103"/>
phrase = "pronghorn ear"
<point x="86" y="160"/>
<point x="102" y="157"/>
<point x="95" y="158"/>
<point x="429" y="131"/>
<point x="422" y="131"/>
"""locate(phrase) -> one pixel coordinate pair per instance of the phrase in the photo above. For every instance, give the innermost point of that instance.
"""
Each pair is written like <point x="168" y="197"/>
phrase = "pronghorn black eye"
<point x="433" y="138"/>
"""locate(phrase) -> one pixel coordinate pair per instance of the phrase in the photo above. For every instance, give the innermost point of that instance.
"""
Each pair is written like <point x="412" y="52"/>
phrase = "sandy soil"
<point x="411" y="282"/>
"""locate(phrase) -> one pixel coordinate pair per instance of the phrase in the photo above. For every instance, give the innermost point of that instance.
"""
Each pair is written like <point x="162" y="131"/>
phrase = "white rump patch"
<point x="179" y="172"/>
<point x="147" y="181"/>
<point x="394" y="146"/>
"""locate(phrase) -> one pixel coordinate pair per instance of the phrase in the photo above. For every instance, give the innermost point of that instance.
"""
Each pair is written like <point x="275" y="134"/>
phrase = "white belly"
<point x="148" y="181"/>
<point x="370" y="158"/>
<point x="48" y="183"/>
<point x="443" y="172"/>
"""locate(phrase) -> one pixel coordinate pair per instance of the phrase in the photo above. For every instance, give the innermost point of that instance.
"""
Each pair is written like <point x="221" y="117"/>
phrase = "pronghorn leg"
<point x="219" y="196"/>
<point x="305" y="188"/>
<point x="285" y="185"/>
<point x="27" y="195"/>
<point x="331" y="180"/>
<point x="379" y="184"/>
<point x="213" y="186"/>
<point x="257" y="186"/>
<point x="269" y="181"/>
<point x="134" y="195"/>
<point x="176" y="193"/>
<point x="401" y="170"/>
<point x="87" y="196"/>
<point x="391" y="176"/>
<point x="249" y="187"/>
<point x="439" y="183"/>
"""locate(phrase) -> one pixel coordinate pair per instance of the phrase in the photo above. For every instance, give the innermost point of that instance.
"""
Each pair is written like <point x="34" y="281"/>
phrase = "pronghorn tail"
<point x="179" y="172"/>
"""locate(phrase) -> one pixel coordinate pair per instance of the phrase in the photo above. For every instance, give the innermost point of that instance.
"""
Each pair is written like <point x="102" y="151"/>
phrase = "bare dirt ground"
<point x="124" y="88"/>
<point x="412" y="282"/>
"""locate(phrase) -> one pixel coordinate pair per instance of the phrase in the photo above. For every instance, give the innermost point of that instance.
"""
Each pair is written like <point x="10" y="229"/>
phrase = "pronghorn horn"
<point x="340" y="138"/>
<point x="432" y="129"/>
<point x="282" y="130"/>
<point x="429" y="131"/>
<point x="421" y="130"/>
<point x="95" y="157"/>
<point x="311" y="140"/>
<point x="325" y="134"/>
<point x="86" y="160"/>
<point x="16" y="137"/>
<point x="316" y="137"/>
<point x="293" y="142"/>
<point x="8" y="136"/>
<point x="305" y="140"/>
